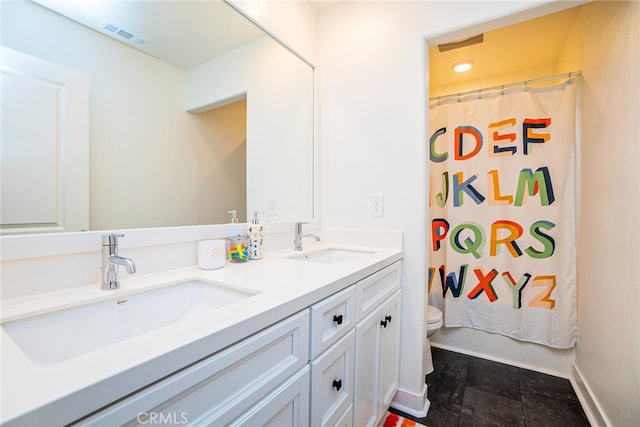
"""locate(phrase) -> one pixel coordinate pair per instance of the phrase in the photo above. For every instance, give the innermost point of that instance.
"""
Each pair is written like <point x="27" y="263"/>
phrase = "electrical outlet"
<point x="376" y="205"/>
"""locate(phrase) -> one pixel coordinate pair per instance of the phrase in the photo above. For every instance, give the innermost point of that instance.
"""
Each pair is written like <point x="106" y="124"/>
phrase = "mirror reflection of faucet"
<point x="297" y="242"/>
<point x="234" y="216"/>
<point x="111" y="260"/>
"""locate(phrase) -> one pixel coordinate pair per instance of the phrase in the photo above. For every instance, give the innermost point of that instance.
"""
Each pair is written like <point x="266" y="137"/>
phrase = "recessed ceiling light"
<point x="461" y="67"/>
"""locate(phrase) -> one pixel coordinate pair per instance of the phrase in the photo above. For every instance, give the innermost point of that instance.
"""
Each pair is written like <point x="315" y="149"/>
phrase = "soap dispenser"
<point x="256" y="237"/>
<point x="234" y="216"/>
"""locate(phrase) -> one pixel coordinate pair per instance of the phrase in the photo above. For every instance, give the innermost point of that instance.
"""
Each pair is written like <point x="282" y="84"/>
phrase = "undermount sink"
<point x="60" y="335"/>
<point x="332" y="255"/>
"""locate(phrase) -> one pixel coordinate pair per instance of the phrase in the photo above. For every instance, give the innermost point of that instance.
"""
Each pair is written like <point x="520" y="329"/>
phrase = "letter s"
<point x="547" y="241"/>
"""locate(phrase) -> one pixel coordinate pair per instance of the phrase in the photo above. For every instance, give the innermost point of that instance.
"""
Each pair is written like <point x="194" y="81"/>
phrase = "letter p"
<point x="439" y="230"/>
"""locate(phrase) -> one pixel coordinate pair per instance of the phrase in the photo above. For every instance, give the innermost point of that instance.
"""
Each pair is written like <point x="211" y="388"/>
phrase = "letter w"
<point x="456" y="286"/>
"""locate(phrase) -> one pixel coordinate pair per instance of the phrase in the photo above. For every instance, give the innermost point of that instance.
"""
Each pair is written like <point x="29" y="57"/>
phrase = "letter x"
<point x="484" y="284"/>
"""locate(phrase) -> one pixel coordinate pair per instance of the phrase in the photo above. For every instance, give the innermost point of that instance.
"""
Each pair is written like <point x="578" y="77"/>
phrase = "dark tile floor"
<point x="469" y="391"/>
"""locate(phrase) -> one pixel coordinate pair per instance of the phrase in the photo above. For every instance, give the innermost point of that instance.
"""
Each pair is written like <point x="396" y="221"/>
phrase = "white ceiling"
<point x="529" y="44"/>
<point x="180" y="32"/>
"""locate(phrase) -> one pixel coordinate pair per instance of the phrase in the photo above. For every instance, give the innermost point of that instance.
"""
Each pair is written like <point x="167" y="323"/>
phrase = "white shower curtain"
<point x="502" y="250"/>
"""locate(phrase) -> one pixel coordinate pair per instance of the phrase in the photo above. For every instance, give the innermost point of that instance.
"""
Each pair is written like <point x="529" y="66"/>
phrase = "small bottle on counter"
<point x="256" y="237"/>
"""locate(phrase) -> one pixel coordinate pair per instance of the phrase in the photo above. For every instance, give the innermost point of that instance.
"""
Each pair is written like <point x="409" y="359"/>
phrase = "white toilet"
<point x="434" y="323"/>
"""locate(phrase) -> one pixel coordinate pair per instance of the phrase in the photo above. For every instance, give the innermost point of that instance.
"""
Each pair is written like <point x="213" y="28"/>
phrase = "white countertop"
<point x="62" y="392"/>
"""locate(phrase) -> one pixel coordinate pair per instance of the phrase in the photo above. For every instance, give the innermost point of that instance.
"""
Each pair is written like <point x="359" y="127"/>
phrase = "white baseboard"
<point x="590" y="405"/>
<point x="416" y="405"/>
<point x="501" y="360"/>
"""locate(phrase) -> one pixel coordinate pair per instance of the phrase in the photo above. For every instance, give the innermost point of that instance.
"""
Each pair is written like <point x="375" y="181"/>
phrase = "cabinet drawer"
<point x="373" y="290"/>
<point x="331" y="318"/>
<point x="332" y="382"/>
<point x="222" y="387"/>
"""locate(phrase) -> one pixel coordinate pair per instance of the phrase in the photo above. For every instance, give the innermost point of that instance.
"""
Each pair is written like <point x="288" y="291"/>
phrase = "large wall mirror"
<point x="194" y="111"/>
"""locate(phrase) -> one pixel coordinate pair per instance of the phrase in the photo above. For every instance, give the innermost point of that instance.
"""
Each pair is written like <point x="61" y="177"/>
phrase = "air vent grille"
<point x="111" y="28"/>
<point x="457" y="44"/>
<point x="121" y="34"/>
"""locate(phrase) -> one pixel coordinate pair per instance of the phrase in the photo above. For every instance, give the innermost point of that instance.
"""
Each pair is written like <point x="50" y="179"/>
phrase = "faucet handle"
<point x="111" y="239"/>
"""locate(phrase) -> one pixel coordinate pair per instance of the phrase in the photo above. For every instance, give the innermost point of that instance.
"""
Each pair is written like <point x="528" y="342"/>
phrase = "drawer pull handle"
<point x="337" y="319"/>
<point x="388" y="318"/>
<point x="384" y="323"/>
<point x="337" y="384"/>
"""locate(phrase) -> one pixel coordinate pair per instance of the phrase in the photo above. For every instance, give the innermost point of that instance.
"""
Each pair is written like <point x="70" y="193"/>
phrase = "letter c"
<point x="433" y="156"/>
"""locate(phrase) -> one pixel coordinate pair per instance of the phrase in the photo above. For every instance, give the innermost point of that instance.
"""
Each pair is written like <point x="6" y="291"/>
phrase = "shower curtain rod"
<point x="524" y="83"/>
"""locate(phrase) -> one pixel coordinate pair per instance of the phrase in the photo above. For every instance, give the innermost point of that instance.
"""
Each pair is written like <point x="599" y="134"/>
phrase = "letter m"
<point x="535" y="183"/>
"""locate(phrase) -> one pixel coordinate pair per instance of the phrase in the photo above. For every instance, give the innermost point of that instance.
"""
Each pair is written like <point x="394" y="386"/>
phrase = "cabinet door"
<point x="222" y="387"/>
<point x="389" y="351"/>
<point x="346" y="420"/>
<point x="367" y="368"/>
<point x="287" y="406"/>
<point x="377" y="362"/>
<point x="332" y="382"/>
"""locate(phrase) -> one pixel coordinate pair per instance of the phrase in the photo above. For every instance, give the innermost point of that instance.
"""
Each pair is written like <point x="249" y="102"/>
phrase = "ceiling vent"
<point x="457" y="44"/>
<point x="119" y="33"/>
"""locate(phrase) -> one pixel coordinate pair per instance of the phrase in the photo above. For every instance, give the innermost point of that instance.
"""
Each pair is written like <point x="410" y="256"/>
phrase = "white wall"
<point x="373" y="127"/>
<point x="605" y="44"/>
<point x="144" y="146"/>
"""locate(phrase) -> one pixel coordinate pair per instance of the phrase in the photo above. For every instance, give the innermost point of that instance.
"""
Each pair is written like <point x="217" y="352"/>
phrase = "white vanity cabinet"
<point x="354" y="380"/>
<point x="377" y="345"/>
<point x="263" y="379"/>
<point x="334" y="363"/>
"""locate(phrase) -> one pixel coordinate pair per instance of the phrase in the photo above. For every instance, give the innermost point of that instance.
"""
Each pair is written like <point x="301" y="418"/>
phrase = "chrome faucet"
<point x="297" y="242"/>
<point x="111" y="260"/>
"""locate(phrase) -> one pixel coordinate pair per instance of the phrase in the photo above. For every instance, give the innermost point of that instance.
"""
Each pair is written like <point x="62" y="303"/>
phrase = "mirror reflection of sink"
<point x="60" y="335"/>
<point x="332" y="255"/>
